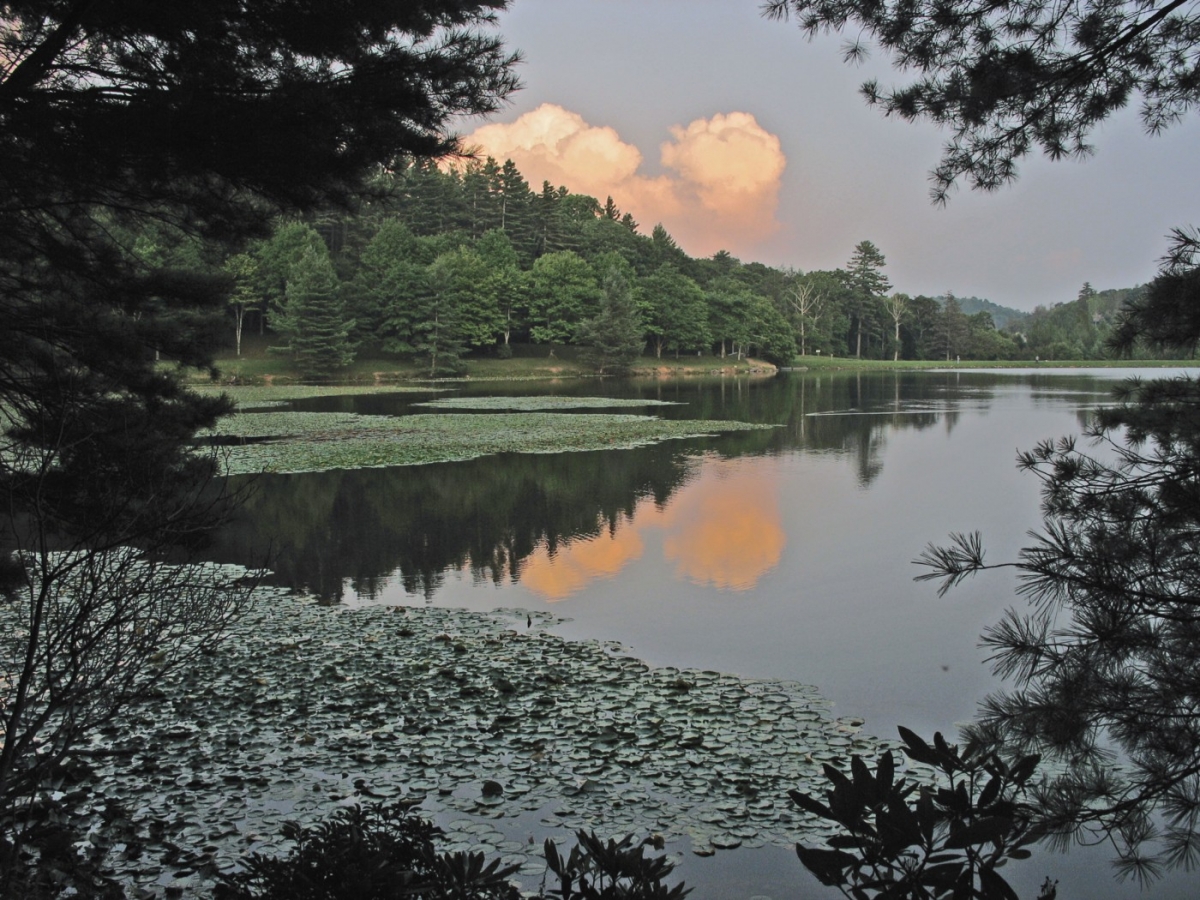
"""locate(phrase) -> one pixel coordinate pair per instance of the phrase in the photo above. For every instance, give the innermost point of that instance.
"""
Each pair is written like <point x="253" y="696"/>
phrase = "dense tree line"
<point x="442" y="262"/>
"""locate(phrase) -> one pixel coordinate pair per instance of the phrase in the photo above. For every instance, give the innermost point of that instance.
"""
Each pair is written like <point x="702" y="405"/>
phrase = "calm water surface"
<point x="784" y="553"/>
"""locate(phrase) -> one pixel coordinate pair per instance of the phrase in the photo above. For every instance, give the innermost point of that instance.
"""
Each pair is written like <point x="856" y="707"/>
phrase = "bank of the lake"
<point x="259" y="365"/>
<point x="838" y="363"/>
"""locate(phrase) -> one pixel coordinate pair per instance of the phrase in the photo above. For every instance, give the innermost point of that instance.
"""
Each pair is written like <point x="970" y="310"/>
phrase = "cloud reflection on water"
<point x="723" y="530"/>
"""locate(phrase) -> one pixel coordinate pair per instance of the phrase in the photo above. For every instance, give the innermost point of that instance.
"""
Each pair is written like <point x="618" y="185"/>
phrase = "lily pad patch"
<point x="313" y="442"/>
<point x="307" y="707"/>
<point x="541" y="404"/>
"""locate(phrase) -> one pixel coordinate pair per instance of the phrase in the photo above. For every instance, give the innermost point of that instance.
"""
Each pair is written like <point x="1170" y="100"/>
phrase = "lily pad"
<point x="541" y="404"/>
<point x="384" y="721"/>
<point x="312" y="442"/>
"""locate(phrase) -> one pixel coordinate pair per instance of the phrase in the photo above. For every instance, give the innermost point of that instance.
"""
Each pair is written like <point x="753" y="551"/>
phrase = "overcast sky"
<point x="736" y="132"/>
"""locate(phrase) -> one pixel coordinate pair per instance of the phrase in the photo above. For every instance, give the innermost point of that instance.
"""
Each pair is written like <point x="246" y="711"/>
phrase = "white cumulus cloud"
<point x="720" y="190"/>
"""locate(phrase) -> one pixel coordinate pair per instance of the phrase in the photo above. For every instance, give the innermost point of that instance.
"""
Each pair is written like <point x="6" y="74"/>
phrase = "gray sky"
<point x="632" y="70"/>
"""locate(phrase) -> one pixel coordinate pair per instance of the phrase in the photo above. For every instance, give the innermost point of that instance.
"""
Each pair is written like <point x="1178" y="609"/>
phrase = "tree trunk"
<point x="239" y="314"/>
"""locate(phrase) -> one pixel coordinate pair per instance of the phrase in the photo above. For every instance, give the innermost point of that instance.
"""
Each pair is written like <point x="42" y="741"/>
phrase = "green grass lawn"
<point x="258" y="365"/>
<point x="849" y="362"/>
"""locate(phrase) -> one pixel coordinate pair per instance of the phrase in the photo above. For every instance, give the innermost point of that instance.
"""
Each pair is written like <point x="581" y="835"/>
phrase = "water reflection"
<point x="324" y="532"/>
<point x="576" y="564"/>
<point x="721" y="529"/>
<point x="780" y="554"/>
<point x="559" y="522"/>
<point x="724" y="529"/>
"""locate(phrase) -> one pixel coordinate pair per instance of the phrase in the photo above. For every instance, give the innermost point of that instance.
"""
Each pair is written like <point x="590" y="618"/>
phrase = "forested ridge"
<point x="445" y="261"/>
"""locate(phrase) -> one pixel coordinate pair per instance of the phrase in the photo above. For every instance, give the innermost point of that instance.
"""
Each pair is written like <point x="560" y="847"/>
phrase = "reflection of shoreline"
<point x="723" y="530"/>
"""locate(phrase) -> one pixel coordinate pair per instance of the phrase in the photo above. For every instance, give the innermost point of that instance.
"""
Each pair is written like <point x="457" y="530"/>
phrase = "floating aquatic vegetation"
<point x="263" y="396"/>
<point x="314" y="442"/>
<point x="541" y="404"/>
<point x="489" y="723"/>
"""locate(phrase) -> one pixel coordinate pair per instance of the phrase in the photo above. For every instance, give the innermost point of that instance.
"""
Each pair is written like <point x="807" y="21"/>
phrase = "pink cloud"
<point x="721" y="190"/>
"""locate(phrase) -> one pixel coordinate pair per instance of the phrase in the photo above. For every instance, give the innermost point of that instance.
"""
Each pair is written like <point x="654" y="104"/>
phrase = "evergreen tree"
<point x="313" y="320"/>
<point x="438" y="332"/>
<point x="612" y="339"/>
<point x="1005" y="78"/>
<point x="952" y="327"/>
<point x="867" y="285"/>
<point x="516" y="210"/>
<point x="216" y="117"/>
<point x="1086" y="328"/>
<point x="383" y="277"/>
<point x="408" y="298"/>
<point x="276" y="258"/>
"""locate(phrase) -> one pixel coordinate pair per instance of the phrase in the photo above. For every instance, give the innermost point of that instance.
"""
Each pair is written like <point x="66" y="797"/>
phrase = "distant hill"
<point x="1001" y="315"/>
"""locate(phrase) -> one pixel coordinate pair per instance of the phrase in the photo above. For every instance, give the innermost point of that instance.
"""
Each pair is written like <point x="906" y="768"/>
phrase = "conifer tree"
<point x="314" y="318"/>
<point x="868" y="285"/>
<point x="612" y="339"/>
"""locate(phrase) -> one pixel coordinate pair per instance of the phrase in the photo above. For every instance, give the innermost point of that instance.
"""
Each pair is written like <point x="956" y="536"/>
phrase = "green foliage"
<point x="1104" y="664"/>
<point x="542" y="255"/>
<point x="1004" y="78"/>
<point x="673" y="308"/>
<point x="385" y="852"/>
<point x="313" y="318"/>
<point x="243" y="269"/>
<point x="612" y="340"/>
<point x="118" y="118"/>
<point x="866" y="286"/>
<point x="952" y="328"/>
<point x="767" y="333"/>
<point x="276" y="257"/>
<point x="48" y="863"/>
<point x="377" y="852"/>
<point x="1167" y="315"/>
<point x="562" y="293"/>
<point x="388" y="281"/>
<point x="609" y="870"/>
<point x="464" y="297"/>
<point x="899" y="839"/>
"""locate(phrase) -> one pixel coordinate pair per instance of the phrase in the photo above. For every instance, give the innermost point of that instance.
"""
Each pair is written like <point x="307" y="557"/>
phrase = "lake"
<point x="785" y="553"/>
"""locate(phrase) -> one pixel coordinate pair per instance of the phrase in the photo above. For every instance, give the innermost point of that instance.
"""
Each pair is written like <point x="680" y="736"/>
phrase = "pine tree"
<point x="314" y="318"/>
<point x="612" y="339"/>
<point x="868" y="285"/>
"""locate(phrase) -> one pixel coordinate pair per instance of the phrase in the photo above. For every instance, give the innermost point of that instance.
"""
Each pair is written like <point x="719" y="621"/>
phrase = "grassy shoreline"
<point x="258" y="365"/>
<point x="261" y="369"/>
<point x="811" y="363"/>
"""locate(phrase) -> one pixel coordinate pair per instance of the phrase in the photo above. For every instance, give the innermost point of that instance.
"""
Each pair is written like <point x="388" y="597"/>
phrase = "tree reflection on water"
<point x="556" y="522"/>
